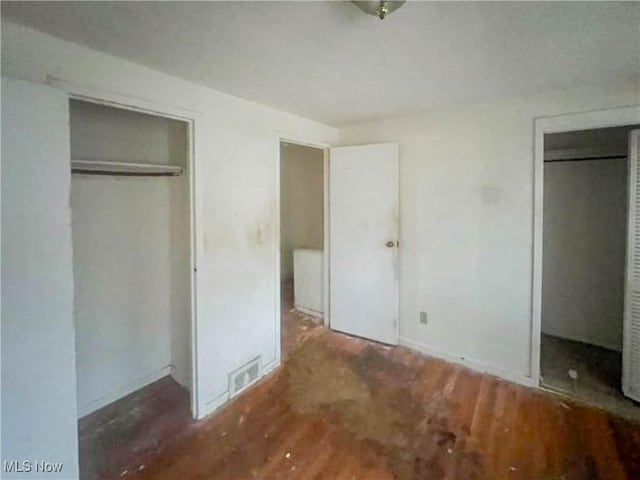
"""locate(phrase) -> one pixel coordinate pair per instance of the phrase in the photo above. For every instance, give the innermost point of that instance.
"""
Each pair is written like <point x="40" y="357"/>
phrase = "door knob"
<point x="390" y="244"/>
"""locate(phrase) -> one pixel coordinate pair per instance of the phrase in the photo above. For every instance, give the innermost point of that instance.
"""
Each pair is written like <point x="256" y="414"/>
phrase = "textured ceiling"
<point x="331" y="62"/>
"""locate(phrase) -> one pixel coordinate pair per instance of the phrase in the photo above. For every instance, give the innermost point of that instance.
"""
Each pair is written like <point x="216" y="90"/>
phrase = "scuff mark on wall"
<point x="262" y="232"/>
<point x="259" y="236"/>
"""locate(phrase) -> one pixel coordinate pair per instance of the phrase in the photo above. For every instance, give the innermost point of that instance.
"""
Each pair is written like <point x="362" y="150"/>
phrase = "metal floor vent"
<point x="244" y="376"/>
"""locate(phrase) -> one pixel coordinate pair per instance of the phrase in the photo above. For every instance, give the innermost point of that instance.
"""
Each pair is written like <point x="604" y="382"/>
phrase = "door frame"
<point x="324" y="146"/>
<point x="613" y="117"/>
<point x="196" y="236"/>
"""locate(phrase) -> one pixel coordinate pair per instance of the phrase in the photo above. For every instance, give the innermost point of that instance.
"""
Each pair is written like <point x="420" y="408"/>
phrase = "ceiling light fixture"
<point x="380" y="9"/>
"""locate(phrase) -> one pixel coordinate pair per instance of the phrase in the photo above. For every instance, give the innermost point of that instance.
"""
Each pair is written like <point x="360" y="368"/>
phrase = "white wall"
<point x="584" y="250"/>
<point x="180" y="274"/>
<point x="236" y="154"/>
<point x="466" y="219"/>
<point x="38" y="351"/>
<point x="121" y="253"/>
<point x="105" y="133"/>
<point x="131" y="255"/>
<point x="301" y="202"/>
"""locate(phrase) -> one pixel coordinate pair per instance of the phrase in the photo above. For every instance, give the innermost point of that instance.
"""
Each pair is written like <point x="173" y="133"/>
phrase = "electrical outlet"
<point x="423" y="318"/>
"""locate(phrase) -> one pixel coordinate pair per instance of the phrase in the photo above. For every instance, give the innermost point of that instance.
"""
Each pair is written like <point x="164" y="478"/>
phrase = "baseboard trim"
<point x="476" y="365"/>
<point x="553" y="333"/>
<point x="269" y="367"/>
<point x="310" y="312"/>
<point x="220" y="400"/>
<point x="214" y="404"/>
<point x="92" y="406"/>
<point x="179" y="376"/>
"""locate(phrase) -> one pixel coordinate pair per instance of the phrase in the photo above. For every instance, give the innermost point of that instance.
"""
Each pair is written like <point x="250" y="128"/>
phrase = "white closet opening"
<point x="586" y="223"/>
<point x="131" y="251"/>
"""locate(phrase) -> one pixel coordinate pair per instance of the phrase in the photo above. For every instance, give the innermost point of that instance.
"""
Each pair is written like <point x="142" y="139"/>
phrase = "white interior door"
<point x="363" y="241"/>
<point x="631" y="346"/>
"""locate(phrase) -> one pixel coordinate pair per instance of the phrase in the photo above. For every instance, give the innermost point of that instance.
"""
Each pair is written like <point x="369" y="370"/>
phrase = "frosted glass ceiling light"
<point x="379" y="9"/>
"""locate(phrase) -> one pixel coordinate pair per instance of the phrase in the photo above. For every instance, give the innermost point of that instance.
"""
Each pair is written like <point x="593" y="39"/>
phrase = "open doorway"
<point x="131" y="233"/>
<point x="302" y="240"/>
<point x="585" y="225"/>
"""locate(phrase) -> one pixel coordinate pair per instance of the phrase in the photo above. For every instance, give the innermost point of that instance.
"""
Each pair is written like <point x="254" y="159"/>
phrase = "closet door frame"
<point x="613" y="117"/>
<point x="193" y="120"/>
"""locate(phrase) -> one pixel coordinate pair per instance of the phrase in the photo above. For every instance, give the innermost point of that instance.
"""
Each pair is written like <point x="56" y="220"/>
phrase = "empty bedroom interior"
<point x="320" y="240"/>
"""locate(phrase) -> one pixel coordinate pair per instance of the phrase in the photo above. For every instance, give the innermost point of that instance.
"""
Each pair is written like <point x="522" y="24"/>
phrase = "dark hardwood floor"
<point x="344" y="408"/>
<point x="114" y="437"/>
<point x="296" y="326"/>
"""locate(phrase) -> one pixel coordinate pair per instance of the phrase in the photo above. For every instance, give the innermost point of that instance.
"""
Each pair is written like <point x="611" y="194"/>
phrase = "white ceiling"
<point x="331" y="62"/>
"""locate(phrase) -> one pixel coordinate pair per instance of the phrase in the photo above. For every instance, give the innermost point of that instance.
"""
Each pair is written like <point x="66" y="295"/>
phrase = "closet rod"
<point x="123" y="174"/>
<point x="584" y="159"/>
<point x="99" y="167"/>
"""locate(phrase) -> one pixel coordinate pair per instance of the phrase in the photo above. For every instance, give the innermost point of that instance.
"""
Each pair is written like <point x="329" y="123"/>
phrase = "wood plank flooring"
<point x="345" y="408"/>
<point x="114" y="437"/>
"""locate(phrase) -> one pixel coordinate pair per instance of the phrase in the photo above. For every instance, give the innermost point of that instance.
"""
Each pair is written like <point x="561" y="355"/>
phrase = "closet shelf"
<point x="98" y="167"/>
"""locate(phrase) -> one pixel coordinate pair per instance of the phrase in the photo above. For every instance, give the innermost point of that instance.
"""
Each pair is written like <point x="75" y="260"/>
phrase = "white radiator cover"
<point x="307" y="281"/>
